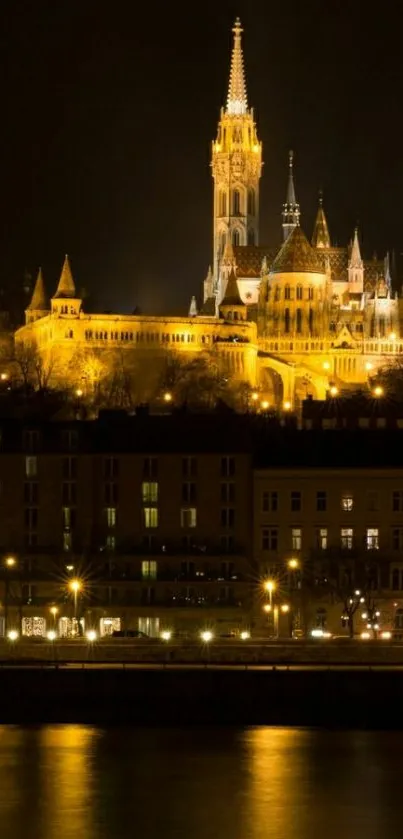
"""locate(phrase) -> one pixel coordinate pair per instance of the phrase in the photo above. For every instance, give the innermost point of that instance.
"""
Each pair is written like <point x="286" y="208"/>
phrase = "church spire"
<point x="355" y="260"/>
<point x="66" y="286"/>
<point x="356" y="266"/>
<point x="237" y="102"/>
<point x="291" y="211"/>
<point x="39" y="301"/>
<point x="321" y="236"/>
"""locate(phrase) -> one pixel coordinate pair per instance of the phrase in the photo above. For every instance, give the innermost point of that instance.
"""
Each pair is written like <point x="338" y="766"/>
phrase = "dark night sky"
<point x="108" y="113"/>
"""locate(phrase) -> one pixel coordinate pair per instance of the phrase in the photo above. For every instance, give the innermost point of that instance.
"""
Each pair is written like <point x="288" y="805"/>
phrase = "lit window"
<point x="322" y="538"/>
<point x="149" y="569"/>
<point x="110" y="625"/>
<point x="150" y="626"/>
<point x="188" y="517"/>
<point x="31" y="466"/>
<point x="151" y="516"/>
<point x="347" y="503"/>
<point x="110" y="542"/>
<point x="296" y="538"/>
<point x="149" y="491"/>
<point x="66" y="517"/>
<point x="111" y="516"/>
<point x="346" y="538"/>
<point x="372" y="539"/>
<point x="34" y="627"/>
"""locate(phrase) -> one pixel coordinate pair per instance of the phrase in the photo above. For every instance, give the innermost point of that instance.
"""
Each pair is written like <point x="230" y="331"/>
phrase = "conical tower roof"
<point x="39" y="300"/>
<point x="297" y="255"/>
<point x="321" y="236"/>
<point x="232" y="296"/>
<point x="355" y="260"/>
<point x="237" y="102"/>
<point x="66" y="287"/>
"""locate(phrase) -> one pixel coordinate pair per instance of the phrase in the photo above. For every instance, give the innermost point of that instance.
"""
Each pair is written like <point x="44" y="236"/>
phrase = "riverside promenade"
<point x="352" y="685"/>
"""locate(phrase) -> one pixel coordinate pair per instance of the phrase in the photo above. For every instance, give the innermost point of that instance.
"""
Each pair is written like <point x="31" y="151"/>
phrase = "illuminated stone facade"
<point x="303" y="318"/>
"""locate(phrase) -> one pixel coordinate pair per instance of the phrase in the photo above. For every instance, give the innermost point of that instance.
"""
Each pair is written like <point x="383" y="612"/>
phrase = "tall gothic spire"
<point x="321" y="236"/>
<point x="237" y="102"/>
<point x="66" y="286"/>
<point x="39" y="301"/>
<point x="291" y="211"/>
<point x="355" y="260"/>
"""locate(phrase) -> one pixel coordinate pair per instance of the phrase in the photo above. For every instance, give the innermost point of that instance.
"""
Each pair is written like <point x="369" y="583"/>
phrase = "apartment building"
<point x="328" y="523"/>
<point x="140" y="522"/>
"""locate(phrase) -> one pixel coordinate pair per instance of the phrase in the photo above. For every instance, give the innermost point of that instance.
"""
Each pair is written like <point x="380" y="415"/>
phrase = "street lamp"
<point x="293" y="564"/>
<point x="10" y="561"/>
<point x="270" y="586"/>
<point x="75" y="587"/>
<point x="167" y="397"/>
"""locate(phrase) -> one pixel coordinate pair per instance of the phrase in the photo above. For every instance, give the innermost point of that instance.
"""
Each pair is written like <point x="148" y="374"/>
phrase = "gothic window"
<point x="311" y="321"/>
<point x="299" y="320"/>
<point x="251" y="237"/>
<point x="251" y="202"/>
<point x="277" y="293"/>
<point x="222" y="204"/>
<point x="235" y="237"/>
<point x="299" y="292"/>
<point x="236" y="202"/>
<point x="287" y="320"/>
<point x="287" y="293"/>
<point x="223" y="239"/>
<point x="310" y="293"/>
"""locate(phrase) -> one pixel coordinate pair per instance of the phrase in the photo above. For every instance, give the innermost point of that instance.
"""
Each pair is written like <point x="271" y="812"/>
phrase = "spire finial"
<point x="66" y="286"/>
<point x="321" y="198"/>
<point x="321" y="237"/>
<point x="237" y="102"/>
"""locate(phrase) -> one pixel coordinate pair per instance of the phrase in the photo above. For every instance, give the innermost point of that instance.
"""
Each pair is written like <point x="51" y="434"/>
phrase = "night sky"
<point x="108" y="112"/>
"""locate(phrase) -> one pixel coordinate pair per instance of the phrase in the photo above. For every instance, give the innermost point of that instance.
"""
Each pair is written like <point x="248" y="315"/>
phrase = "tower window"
<point x="287" y="293"/>
<point x="299" y="292"/>
<point x="236" y="202"/>
<point x="222" y="204"/>
<point x="311" y="321"/>
<point x="251" y="202"/>
<point x="235" y="237"/>
<point x="223" y="239"/>
<point x="287" y="320"/>
<point x="251" y="237"/>
<point x="299" y="321"/>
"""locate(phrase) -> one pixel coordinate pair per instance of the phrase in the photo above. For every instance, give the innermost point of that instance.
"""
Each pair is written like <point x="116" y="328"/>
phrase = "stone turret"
<point x="231" y="306"/>
<point x="39" y="305"/>
<point x="65" y="300"/>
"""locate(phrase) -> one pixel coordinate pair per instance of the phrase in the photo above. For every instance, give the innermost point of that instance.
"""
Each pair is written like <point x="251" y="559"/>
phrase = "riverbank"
<point x="354" y="698"/>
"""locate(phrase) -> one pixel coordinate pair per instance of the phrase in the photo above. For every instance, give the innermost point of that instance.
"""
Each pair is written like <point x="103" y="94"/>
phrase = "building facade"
<point x="310" y="318"/>
<point x="155" y="529"/>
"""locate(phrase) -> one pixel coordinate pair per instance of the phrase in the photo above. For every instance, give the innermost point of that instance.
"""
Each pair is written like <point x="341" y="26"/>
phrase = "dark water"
<point x="87" y="783"/>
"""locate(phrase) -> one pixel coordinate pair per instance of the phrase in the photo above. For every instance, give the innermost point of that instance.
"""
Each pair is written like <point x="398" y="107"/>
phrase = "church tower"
<point x="291" y="211"/>
<point x="236" y="165"/>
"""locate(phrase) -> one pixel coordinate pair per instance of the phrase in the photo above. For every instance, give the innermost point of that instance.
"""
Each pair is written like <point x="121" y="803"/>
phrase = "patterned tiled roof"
<point x="249" y="260"/>
<point x="296" y="254"/>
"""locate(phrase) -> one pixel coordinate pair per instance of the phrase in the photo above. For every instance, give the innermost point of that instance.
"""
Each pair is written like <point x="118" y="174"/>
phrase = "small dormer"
<point x="231" y="307"/>
<point x="65" y="301"/>
<point x="39" y="305"/>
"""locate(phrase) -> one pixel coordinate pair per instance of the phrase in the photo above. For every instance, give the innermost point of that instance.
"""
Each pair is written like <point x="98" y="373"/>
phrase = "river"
<point x="60" y="782"/>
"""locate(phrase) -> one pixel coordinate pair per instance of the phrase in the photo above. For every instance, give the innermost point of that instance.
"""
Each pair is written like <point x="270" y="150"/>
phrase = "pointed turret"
<point x="232" y="306"/>
<point x="39" y="305"/>
<point x="237" y="102"/>
<point x="66" y="287"/>
<point x="388" y="278"/>
<point x="291" y="211"/>
<point x="208" y="285"/>
<point x="65" y="300"/>
<point x="356" y="266"/>
<point x="193" y="308"/>
<point x="321" y="237"/>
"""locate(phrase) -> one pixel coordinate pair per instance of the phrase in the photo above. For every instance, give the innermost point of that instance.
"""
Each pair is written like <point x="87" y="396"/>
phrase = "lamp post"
<point x="75" y="586"/>
<point x="10" y="562"/>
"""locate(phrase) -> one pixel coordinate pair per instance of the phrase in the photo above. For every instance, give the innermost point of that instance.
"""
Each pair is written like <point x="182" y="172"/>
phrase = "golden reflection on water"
<point x="274" y="805"/>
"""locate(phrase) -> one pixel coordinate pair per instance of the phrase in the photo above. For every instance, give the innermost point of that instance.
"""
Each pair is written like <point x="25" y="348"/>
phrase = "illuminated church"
<point x="305" y="318"/>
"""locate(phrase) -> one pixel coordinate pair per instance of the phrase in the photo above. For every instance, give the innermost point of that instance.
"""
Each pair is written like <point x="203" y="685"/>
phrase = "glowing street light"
<point x="293" y="564"/>
<point x="75" y="587"/>
<point x="206" y="636"/>
<point x="334" y="390"/>
<point x="10" y="561"/>
<point x="326" y="365"/>
<point x="91" y="636"/>
<point x="51" y="635"/>
<point x="285" y="608"/>
<point x="245" y="635"/>
<point x="4" y="377"/>
<point x="267" y="607"/>
<point x="287" y="405"/>
<point x="12" y="635"/>
<point x="255" y="396"/>
<point x="167" y="397"/>
<point x="270" y="586"/>
<point x="79" y="393"/>
<point x="378" y="391"/>
<point x="166" y="635"/>
<point x="368" y="365"/>
<point x="265" y="405"/>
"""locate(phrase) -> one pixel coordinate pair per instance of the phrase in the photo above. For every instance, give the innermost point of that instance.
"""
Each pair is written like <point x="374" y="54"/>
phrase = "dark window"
<point x="69" y="494"/>
<point x="227" y="467"/>
<point x="227" y="517"/>
<point x="269" y="539"/>
<point x="189" y="492"/>
<point x="111" y="468"/>
<point x="295" y="502"/>
<point x="31" y="492"/>
<point x="150" y="469"/>
<point x="321" y="501"/>
<point x="189" y="467"/>
<point x="69" y="468"/>
<point x="227" y="493"/>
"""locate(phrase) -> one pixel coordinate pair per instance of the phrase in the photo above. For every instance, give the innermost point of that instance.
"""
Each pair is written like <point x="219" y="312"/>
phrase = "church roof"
<point x="297" y="255"/>
<point x="232" y="296"/>
<point x="249" y="260"/>
<point x="39" y="299"/>
<point x="66" y="287"/>
<point x="208" y="308"/>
